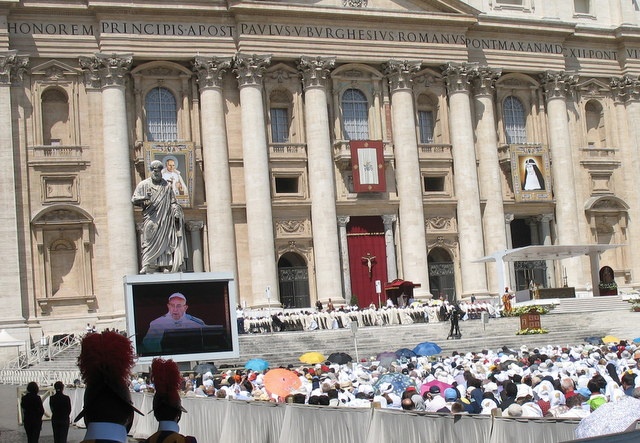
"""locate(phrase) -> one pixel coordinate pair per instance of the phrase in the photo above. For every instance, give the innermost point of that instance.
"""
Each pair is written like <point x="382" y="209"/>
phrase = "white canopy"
<point x="7" y="339"/>
<point x="549" y="252"/>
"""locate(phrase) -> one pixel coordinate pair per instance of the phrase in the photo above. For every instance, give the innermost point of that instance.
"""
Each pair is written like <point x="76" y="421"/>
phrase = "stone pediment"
<point x="418" y="6"/>
<point x="55" y="70"/>
<point x="594" y="87"/>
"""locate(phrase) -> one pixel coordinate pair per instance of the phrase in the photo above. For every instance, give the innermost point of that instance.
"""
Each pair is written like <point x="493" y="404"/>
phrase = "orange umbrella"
<point x="281" y="382"/>
<point x="311" y="358"/>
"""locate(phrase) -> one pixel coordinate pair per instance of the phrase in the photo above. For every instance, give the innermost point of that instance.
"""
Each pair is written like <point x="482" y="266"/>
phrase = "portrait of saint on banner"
<point x="178" y="167"/>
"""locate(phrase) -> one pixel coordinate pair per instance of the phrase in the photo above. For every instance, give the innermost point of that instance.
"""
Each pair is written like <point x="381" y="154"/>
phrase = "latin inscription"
<point x="317" y="32"/>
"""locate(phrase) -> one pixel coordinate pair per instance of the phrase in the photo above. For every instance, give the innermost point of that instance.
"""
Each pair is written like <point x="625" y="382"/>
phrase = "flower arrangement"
<point x="531" y="309"/>
<point x="532" y="331"/>
<point x="635" y="304"/>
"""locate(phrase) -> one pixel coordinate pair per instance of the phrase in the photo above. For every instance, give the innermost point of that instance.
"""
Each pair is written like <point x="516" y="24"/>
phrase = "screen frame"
<point x="137" y="285"/>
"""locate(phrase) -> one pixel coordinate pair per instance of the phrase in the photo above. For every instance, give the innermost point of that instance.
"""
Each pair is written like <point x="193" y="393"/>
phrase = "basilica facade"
<point x="320" y="149"/>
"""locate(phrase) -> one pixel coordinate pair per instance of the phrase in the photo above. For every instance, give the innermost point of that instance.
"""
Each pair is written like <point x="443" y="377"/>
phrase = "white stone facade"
<point x="259" y="100"/>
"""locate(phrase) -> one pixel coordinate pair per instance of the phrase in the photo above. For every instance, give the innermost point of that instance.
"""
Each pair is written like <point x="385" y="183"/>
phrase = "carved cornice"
<point x="12" y="67"/>
<point x="484" y="80"/>
<point x="439" y="223"/>
<point x="211" y="70"/>
<point x="250" y="69"/>
<point x="315" y="70"/>
<point x="106" y="69"/>
<point x="400" y="73"/>
<point x="557" y="84"/>
<point x="458" y="76"/>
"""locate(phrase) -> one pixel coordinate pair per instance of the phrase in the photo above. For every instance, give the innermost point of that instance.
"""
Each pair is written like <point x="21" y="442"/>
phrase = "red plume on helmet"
<point x="166" y="378"/>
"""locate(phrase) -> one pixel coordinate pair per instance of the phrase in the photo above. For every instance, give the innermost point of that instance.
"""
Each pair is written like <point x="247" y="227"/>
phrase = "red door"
<point x="367" y="258"/>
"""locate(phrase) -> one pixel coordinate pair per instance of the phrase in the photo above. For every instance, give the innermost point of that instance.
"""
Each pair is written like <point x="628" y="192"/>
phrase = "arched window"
<point x="356" y="116"/>
<point x="162" y="116"/>
<point x="596" y="135"/>
<point x="514" y="120"/>
<point x="427" y="108"/>
<point x="55" y="117"/>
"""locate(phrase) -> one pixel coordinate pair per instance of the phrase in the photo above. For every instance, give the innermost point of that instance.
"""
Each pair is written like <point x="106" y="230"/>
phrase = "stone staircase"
<point x="565" y="326"/>
<point x="592" y="304"/>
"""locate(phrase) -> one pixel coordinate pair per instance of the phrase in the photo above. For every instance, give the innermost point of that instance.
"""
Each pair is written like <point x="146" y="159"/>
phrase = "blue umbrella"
<point x="636" y="340"/>
<point x="398" y="381"/>
<point x="593" y="340"/>
<point x="256" y="364"/>
<point x="405" y="353"/>
<point x="427" y="348"/>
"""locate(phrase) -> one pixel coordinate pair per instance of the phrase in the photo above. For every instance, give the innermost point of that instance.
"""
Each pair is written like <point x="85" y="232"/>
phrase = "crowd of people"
<point x="327" y="317"/>
<point x="549" y="381"/>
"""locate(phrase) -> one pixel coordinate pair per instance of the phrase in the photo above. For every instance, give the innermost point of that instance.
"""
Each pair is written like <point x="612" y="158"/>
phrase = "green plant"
<point x="354" y="300"/>
<point x="532" y="331"/>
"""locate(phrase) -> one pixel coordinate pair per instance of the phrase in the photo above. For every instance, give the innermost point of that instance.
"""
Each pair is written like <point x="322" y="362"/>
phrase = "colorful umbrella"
<point x="427" y="348"/>
<point x="636" y="340"/>
<point x="399" y="381"/>
<point x="339" y="358"/>
<point x="442" y="385"/>
<point x="386" y="358"/>
<point x="616" y="416"/>
<point x="311" y="358"/>
<point x="281" y="382"/>
<point x="256" y="364"/>
<point x="610" y="339"/>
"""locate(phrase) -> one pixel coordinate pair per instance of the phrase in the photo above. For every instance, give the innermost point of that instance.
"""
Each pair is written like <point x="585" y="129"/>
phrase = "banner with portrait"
<point x="531" y="173"/>
<point x="178" y="166"/>
<point x="367" y="160"/>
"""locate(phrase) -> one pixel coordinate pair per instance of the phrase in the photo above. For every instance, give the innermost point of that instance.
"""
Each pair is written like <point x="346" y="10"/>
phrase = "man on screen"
<point x="176" y="318"/>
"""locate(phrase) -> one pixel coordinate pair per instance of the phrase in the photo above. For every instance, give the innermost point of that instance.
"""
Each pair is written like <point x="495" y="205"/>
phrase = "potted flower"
<point x="635" y="304"/>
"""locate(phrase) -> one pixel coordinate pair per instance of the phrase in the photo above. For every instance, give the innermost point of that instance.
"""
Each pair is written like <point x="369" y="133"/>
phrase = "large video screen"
<point x="183" y="316"/>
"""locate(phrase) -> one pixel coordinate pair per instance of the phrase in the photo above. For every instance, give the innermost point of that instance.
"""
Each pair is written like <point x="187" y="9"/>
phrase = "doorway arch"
<point x="293" y="277"/>
<point x="442" y="274"/>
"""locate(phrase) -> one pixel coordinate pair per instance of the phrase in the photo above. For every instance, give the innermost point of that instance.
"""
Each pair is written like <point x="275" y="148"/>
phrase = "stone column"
<point x="344" y="255"/>
<point x="465" y="180"/>
<point x="533" y="230"/>
<point x="322" y="188"/>
<point x="12" y="66"/>
<point x="556" y="86"/>
<point x="111" y="70"/>
<point x="249" y="70"/>
<point x="545" y="228"/>
<point x="510" y="275"/>
<point x="390" y="244"/>
<point x="626" y="93"/>
<point x="495" y="239"/>
<point x="408" y="177"/>
<point x="194" y="227"/>
<point x="217" y="176"/>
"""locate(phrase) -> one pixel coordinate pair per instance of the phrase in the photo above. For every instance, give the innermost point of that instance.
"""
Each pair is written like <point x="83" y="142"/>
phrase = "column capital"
<point x="315" y="70"/>
<point x="106" y="69"/>
<point x="484" y="80"/>
<point x="211" y="70"/>
<point x="508" y="218"/>
<point x="12" y="66"/>
<point x="557" y="84"/>
<point x="545" y="218"/>
<point x="343" y="220"/>
<point x="458" y="76"/>
<point x="194" y="225"/>
<point x="400" y="73"/>
<point x="626" y="88"/>
<point x="250" y="69"/>
<point x="388" y="220"/>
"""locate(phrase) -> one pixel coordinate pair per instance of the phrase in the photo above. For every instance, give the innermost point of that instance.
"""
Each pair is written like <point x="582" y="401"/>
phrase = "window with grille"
<point x="514" y="120"/>
<point x="162" y="116"/>
<point x="425" y="126"/>
<point x="279" y="125"/>
<point x="355" y="114"/>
